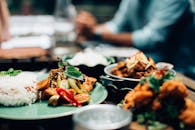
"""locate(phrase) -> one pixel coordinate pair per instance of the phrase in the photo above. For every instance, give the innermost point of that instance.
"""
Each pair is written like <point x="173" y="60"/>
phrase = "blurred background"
<point x="102" y="9"/>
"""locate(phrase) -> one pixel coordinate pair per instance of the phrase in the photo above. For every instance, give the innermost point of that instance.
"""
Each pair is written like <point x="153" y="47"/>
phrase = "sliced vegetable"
<point x="54" y="100"/>
<point x="66" y="95"/>
<point x="63" y="84"/>
<point x="73" y="85"/>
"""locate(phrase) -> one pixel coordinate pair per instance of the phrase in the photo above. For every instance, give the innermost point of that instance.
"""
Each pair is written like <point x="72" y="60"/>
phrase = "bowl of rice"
<point x="89" y="61"/>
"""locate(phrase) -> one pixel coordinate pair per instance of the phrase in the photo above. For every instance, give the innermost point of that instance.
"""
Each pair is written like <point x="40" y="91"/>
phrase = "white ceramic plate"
<point x="108" y="69"/>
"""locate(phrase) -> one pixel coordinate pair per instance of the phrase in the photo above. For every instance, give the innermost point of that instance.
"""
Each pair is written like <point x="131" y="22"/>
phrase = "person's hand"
<point x="85" y="25"/>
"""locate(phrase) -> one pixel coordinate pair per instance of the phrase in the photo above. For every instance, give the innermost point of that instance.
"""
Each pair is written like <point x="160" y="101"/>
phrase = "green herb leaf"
<point x="10" y="72"/>
<point x="156" y="125"/>
<point x="140" y="118"/>
<point x="110" y="60"/>
<point x="154" y="83"/>
<point x="143" y="80"/>
<point x="72" y="72"/>
<point x="168" y="76"/>
<point x="181" y="125"/>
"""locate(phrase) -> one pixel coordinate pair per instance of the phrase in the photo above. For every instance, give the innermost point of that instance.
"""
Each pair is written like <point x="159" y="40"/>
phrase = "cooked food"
<point x="136" y="66"/>
<point x="159" y="97"/>
<point x="187" y="114"/>
<point x="66" y="85"/>
<point x="17" y="89"/>
<point x="89" y="58"/>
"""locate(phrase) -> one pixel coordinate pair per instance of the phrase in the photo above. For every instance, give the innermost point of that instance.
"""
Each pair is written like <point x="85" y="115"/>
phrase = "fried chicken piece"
<point x="139" y="66"/>
<point x="138" y="75"/>
<point x="119" y="69"/>
<point x="43" y="84"/>
<point x="119" y="66"/>
<point x="89" y="83"/>
<point x="173" y="88"/>
<point x="156" y="104"/>
<point x="118" y="73"/>
<point x="140" y="96"/>
<point x="187" y="115"/>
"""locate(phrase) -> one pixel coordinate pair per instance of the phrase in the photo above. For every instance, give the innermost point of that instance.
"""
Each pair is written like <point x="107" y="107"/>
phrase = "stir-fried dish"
<point x="162" y="98"/>
<point x="66" y="86"/>
<point x="136" y="66"/>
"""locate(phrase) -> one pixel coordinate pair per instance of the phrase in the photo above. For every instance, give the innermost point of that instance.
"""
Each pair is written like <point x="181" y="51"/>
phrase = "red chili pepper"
<point x="66" y="95"/>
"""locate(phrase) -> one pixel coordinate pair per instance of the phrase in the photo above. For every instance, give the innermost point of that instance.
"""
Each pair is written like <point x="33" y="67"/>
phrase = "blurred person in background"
<point x="4" y="21"/>
<point x="161" y="29"/>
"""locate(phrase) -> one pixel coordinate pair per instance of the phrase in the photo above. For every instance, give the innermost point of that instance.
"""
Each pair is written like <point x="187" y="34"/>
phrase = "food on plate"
<point x="17" y="88"/>
<point x="89" y="58"/>
<point x="136" y="66"/>
<point x="160" y="97"/>
<point x="66" y="85"/>
<point x="187" y="114"/>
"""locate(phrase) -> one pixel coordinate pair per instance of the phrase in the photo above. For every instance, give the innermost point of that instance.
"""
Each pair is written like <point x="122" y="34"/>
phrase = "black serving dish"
<point x="117" y="88"/>
<point x="95" y="71"/>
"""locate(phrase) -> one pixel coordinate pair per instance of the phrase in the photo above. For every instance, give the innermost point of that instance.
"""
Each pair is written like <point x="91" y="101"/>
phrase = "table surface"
<point x="51" y="62"/>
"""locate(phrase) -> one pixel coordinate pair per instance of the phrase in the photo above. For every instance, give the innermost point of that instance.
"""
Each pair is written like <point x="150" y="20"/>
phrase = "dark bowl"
<point x="95" y="71"/>
<point x="117" y="88"/>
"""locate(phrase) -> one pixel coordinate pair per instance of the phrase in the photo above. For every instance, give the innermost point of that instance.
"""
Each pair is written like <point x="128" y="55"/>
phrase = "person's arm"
<point x="159" y="27"/>
<point x="113" y="30"/>
<point x="120" y="19"/>
<point x="106" y="34"/>
<point x="123" y="39"/>
<point x="4" y="21"/>
<point x="86" y="27"/>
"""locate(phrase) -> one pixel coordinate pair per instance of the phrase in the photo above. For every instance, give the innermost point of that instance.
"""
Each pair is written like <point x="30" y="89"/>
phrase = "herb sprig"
<point x="10" y="72"/>
<point x="72" y="72"/>
<point x="156" y="83"/>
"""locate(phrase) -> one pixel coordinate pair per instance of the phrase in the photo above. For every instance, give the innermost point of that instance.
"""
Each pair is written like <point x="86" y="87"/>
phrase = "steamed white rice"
<point x="18" y="90"/>
<point x="89" y="58"/>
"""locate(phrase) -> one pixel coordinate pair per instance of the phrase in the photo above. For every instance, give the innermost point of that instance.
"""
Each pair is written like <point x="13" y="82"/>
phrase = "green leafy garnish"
<point x="110" y="60"/>
<point x="156" y="83"/>
<point x="143" y="80"/>
<point x="72" y="72"/>
<point x="167" y="76"/>
<point x="10" y="72"/>
<point x="156" y="125"/>
<point x="181" y="125"/>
